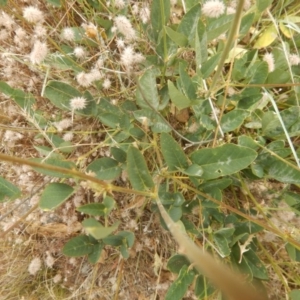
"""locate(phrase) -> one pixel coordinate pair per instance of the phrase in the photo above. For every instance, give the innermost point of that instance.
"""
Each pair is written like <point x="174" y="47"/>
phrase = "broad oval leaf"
<point x="266" y="38"/>
<point x="25" y="101"/>
<point x="193" y="170"/>
<point x="172" y="153"/>
<point x="147" y="90"/>
<point x="56" y="161"/>
<point x="160" y="14"/>
<point x="233" y="119"/>
<point x="176" y="262"/>
<point x="95" y="254"/>
<point x="216" y="27"/>
<point x="179" y="99"/>
<point x="60" y="94"/>
<point x="79" y="246"/>
<point x="8" y="190"/>
<point x="97" y="230"/>
<point x="54" y="195"/>
<point x="98" y="209"/>
<point x="189" y="23"/>
<point x="137" y="169"/>
<point x="280" y="170"/>
<point x="223" y="160"/>
<point x="177" y="37"/>
<point x="105" y="168"/>
<point x="180" y="286"/>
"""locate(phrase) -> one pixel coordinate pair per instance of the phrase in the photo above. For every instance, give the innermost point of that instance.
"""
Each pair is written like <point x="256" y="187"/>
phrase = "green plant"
<point x="198" y="118"/>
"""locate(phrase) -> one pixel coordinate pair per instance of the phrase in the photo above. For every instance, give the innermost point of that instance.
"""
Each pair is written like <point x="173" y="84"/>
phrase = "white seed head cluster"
<point x="269" y="59"/>
<point x="34" y="266"/>
<point x="39" y="52"/>
<point x="124" y="26"/>
<point x="78" y="103"/>
<point x="33" y="14"/>
<point x="213" y="8"/>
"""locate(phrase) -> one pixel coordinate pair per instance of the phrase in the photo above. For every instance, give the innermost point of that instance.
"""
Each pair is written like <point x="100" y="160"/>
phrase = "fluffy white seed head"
<point x="106" y="83"/>
<point x="294" y="59"/>
<point x="79" y="52"/>
<point x="78" y="103"/>
<point x="68" y="34"/>
<point x="124" y="26"/>
<point x="35" y="266"/>
<point x="213" y="8"/>
<point x="33" y="14"/>
<point x="269" y="59"/>
<point x="39" y="52"/>
<point x="84" y="79"/>
<point x="120" y="4"/>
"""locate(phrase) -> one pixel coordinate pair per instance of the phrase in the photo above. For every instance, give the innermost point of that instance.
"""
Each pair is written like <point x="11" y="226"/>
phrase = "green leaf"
<point x="176" y="262"/>
<point x="209" y="65"/>
<point x="123" y="238"/>
<point x="25" y="101"/>
<point x="3" y="2"/>
<point x="172" y="153"/>
<point x="137" y="169"/>
<point x="222" y="239"/>
<point x="63" y="62"/>
<point x="179" y="99"/>
<point x="259" y="72"/>
<point x="97" y="230"/>
<point x="175" y="199"/>
<point x="293" y="252"/>
<point x="105" y="168"/>
<point x="8" y="190"/>
<point x="271" y="126"/>
<point x="93" y="209"/>
<point x="218" y="26"/>
<point x="55" y="3"/>
<point x="128" y="238"/>
<point x="233" y="119"/>
<point x="95" y="254"/>
<point x="222" y="184"/>
<point x="294" y="295"/>
<point x="203" y="287"/>
<point x="188" y="86"/>
<point x="79" y="246"/>
<point x="54" y="195"/>
<point x="193" y="170"/>
<point x="148" y="117"/>
<point x="180" y="286"/>
<point x="147" y="90"/>
<point x="60" y="94"/>
<point x="268" y="36"/>
<point x="251" y="262"/>
<point x="160" y="14"/>
<point x="98" y="209"/>
<point x="66" y="147"/>
<point x="283" y="171"/>
<point x="113" y="240"/>
<point x="177" y="37"/>
<point x="261" y="5"/>
<point x="248" y="99"/>
<point x="175" y="212"/>
<point x="246" y="24"/>
<point x="57" y="161"/>
<point x="189" y="23"/>
<point x="110" y="115"/>
<point x="124" y="251"/>
<point x="223" y="160"/>
<point x="118" y="154"/>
